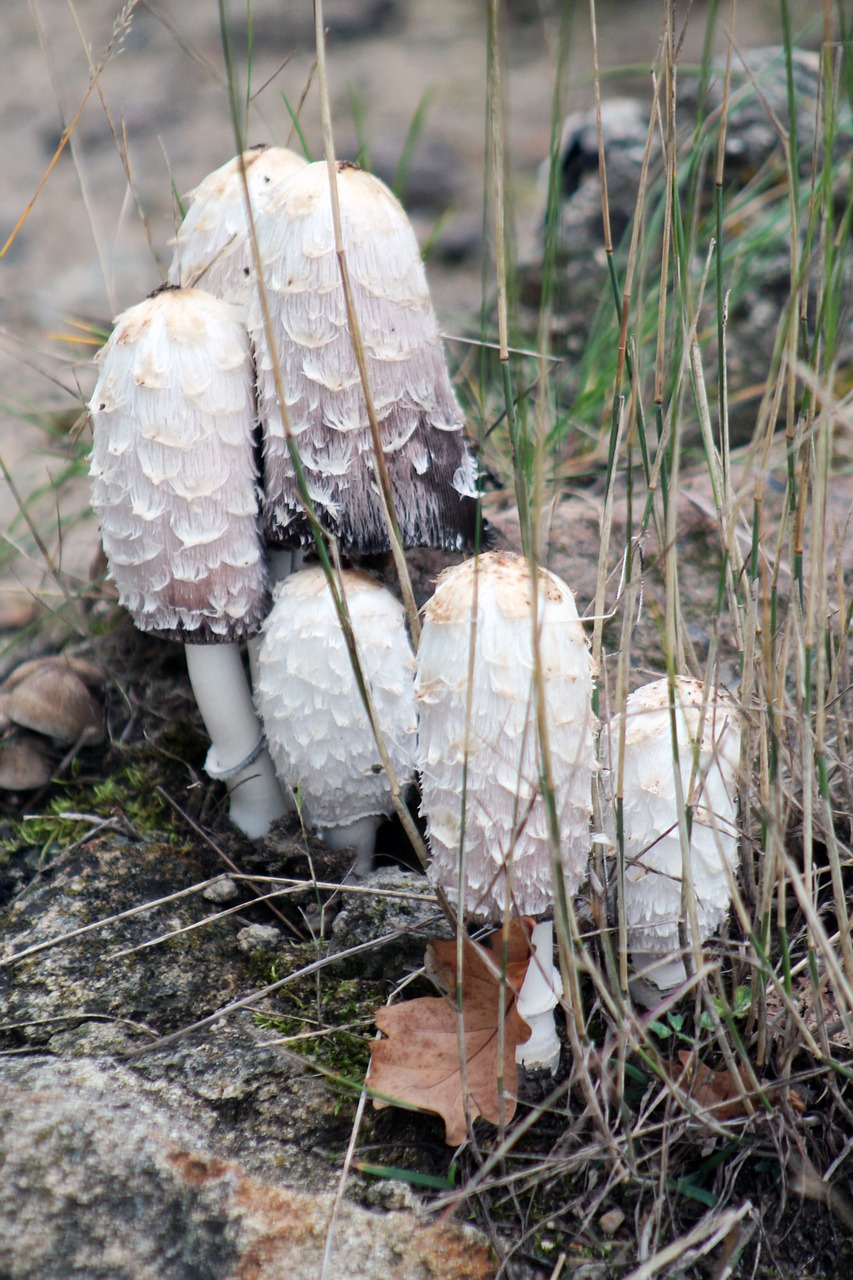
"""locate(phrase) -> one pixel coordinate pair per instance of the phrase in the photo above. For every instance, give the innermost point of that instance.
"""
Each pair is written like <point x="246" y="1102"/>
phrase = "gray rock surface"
<point x="209" y="1154"/>
<point x="388" y="900"/>
<point x="99" y="973"/>
<point x="106" y="1178"/>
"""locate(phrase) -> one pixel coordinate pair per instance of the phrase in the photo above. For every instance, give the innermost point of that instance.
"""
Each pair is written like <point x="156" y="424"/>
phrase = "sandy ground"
<point x="96" y="242"/>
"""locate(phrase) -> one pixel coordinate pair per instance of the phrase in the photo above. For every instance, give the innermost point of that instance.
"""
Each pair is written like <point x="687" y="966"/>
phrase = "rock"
<point x="258" y="937"/>
<point x="387" y="900"/>
<point x="756" y="257"/>
<point x="85" y="1148"/>
<point x="162" y="987"/>
<point x="222" y="891"/>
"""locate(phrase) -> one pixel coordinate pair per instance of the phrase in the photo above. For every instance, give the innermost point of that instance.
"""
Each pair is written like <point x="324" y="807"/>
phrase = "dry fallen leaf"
<point x="418" y="1063"/>
<point x="719" y="1093"/>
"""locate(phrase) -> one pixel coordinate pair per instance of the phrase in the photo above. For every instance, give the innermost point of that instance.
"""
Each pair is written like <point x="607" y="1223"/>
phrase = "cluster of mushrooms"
<point x="194" y="481"/>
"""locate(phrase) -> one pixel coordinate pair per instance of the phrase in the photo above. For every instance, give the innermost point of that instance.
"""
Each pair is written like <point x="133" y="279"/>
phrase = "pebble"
<point x="258" y="937"/>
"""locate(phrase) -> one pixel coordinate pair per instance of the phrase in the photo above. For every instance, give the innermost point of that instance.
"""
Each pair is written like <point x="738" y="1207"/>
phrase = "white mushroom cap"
<point x="318" y="732"/>
<point x="505" y="816"/>
<point x="174" y="481"/>
<point x="212" y="246"/>
<point x="431" y="470"/>
<point x="653" y="855"/>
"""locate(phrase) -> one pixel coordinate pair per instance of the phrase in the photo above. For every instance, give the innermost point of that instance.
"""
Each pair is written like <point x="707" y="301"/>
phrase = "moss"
<point x="339" y="1008"/>
<point x="131" y="792"/>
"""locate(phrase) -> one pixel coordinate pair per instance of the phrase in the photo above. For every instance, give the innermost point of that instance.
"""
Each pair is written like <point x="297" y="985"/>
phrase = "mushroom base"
<point x="540" y="993"/>
<point x="237" y="755"/>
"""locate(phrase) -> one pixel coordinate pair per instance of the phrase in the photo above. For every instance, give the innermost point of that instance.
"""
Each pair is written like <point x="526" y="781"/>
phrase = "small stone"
<point x="611" y="1221"/>
<point x="405" y="901"/>
<point x="258" y="937"/>
<point x="221" y="891"/>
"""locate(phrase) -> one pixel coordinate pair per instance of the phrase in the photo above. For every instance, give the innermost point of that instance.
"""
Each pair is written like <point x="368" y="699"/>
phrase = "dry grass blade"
<point x="704" y="1237"/>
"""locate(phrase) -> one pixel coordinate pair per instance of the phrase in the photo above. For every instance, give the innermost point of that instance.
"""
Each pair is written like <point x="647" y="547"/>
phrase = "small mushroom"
<point x="430" y="468"/>
<point x="174" y="485"/>
<point x="479" y="740"/>
<point x="212" y="247"/>
<point x="24" y="765"/>
<point x="708" y="752"/>
<point x="316" y="724"/>
<point x="48" y="696"/>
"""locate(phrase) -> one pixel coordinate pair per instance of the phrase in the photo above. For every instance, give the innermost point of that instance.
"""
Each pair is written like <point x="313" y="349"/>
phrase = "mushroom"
<point x="430" y="468"/>
<point x="479" y="739"/>
<point x="212" y="247"/>
<point x="24" y="765"/>
<point x="50" y="697"/>
<point x="708" y="751"/>
<point x="174" y="485"/>
<point x="319" y="734"/>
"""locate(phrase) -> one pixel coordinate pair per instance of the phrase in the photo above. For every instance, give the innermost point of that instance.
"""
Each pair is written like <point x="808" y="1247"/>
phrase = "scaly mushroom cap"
<point x="653" y="863"/>
<point x="174" y="481"/>
<point x="317" y="728"/>
<point x="505" y="816"/>
<point x="212" y="247"/>
<point x="431" y="470"/>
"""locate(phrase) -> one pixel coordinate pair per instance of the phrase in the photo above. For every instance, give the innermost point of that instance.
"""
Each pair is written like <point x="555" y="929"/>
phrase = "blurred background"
<point x="97" y="237"/>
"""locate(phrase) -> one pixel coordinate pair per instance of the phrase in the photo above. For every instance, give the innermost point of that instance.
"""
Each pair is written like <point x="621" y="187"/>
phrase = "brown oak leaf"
<point x="719" y="1093"/>
<point x="418" y="1063"/>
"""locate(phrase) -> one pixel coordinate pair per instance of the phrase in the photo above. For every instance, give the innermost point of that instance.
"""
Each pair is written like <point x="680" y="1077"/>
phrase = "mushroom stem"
<point x="359" y="835"/>
<point x="238" y="755"/>
<point x="539" y="994"/>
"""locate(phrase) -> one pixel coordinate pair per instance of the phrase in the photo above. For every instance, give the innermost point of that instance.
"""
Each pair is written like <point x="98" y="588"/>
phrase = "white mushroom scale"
<point x="212" y="247"/>
<point x="319" y="734"/>
<point x="707" y="764"/>
<point x="430" y="467"/>
<point x="174" y="486"/>
<point x="481" y="739"/>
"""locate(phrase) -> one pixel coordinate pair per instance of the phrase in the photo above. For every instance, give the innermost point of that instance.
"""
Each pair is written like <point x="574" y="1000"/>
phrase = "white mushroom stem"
<point x="359" y="835"/>
<point x="238" y="755"/>
<point x="539" y="996"/>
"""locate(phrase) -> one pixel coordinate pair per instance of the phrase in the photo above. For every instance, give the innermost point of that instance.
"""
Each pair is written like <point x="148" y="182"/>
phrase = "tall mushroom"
<point x="212" y="246"/>
<point x="319" y="734"/>
<point x="479" y="739"/>
<point x="430" y="468"/>
<point x="706" y="762"/>
<point x="174" y="486"/>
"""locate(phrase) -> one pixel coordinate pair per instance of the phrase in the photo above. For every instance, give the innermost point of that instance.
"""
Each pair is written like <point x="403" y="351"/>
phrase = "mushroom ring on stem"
<point x="174" y="486"/>
<point x="431" y="470"/>
<point x="488" y="639"/>
<point x="318" y="730"/>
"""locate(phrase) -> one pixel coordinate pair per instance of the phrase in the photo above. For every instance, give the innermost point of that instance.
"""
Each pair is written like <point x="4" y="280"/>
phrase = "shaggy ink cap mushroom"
<point x="708" y="756"/>
<point x="212" y="246"/>
<point x="316" y="724"/>
<point x="485" y="738"/>
<point x="174" y="486"/>
<point x="430" y="467"/>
